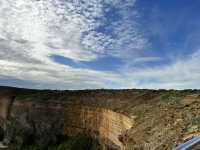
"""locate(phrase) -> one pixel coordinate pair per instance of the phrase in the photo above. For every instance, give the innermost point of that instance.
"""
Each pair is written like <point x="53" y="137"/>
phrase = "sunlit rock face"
<point x="71" y="120"/>
<point x="103" y="123"/>
<point x="4" y="103"/>
<point x="5" y="106"/>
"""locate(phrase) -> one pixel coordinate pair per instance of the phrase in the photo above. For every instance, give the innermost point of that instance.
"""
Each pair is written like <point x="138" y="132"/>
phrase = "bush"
<point x="171" y="97"/>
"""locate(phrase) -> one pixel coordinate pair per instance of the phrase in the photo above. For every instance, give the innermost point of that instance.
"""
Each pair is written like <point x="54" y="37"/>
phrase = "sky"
<point x="91" y="44"/>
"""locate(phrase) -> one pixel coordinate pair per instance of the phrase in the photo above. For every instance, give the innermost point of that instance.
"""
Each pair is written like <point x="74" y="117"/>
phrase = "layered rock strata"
<point x="102" y="124"/>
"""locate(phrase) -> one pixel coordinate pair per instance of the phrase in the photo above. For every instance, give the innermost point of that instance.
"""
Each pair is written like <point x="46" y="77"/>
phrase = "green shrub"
<point x="171" y="97"/>
<point x="196" y="120"/>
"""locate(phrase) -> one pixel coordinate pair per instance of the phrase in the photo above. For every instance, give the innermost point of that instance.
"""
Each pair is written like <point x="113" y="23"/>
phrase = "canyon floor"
<point x="135" y="119"/>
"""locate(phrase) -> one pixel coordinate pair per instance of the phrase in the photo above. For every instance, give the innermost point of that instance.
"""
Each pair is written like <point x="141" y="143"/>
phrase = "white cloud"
<point x="47" y="27"/>
<point x="55" y="75"/>
<point x="65" y="28"/>
<point x="182" y="74"/>
<point x="147" y="59"/>
<point x="31" y="31"/>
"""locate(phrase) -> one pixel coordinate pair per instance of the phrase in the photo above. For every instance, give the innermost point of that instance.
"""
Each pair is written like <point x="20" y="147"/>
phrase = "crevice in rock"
<point x="1" y="134"/>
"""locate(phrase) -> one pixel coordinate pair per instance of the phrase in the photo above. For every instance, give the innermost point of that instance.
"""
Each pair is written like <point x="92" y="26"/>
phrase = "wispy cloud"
<point x="182" y="74"/>
<point x="32" y="31"/>
<point x="147" y="59"/>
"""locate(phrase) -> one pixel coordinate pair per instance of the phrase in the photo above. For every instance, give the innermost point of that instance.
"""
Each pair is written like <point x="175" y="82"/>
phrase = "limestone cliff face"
<point x="162" y="119"/>
<point x="103" y="124"/>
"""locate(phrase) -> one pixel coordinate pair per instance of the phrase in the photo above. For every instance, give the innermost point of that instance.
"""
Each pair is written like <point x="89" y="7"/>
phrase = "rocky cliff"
<point x="103" y="124"/>
<point x="118" y="119"/>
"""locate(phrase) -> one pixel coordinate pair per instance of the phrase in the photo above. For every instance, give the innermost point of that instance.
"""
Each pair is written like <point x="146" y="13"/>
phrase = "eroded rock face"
<point x="63" y="119"/>
<point x="103" y="123"/>
<point x="162" y="119"/>
<point x="5" y="106"/>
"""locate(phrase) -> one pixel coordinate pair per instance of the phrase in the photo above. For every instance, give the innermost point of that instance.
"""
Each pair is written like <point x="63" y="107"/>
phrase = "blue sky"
<point x="79" y="44"/>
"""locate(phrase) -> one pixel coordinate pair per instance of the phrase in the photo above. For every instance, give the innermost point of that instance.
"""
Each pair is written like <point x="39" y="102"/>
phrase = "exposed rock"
<point x="189" y="99"/>
<point x="121" y="119"/>
<point x="30" y="119"/>
<point x="2" y="146"/>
